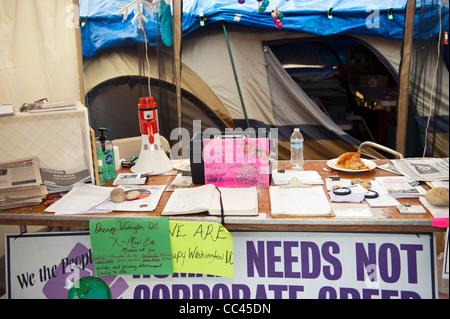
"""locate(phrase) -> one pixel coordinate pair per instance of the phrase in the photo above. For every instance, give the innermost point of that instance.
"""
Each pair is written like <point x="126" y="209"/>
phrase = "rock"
<point x="133" y="195"/>
<point x="117" y="195"/>
<point x="438" y="196"/>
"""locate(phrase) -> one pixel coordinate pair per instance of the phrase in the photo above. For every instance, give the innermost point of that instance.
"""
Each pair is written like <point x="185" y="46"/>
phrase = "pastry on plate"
<point x="351" y="160"/>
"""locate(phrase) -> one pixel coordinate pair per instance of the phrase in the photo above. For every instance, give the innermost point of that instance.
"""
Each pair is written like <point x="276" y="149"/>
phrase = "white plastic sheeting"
<point x="40" y="53"/>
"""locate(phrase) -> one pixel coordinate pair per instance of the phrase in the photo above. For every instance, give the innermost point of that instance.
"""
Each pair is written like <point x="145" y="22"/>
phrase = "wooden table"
<point x="388" y="219"/>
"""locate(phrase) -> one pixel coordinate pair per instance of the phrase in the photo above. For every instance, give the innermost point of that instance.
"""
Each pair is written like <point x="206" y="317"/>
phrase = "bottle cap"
<point x="147" y="102"/>
<point x="296" y="129"/>
<point x="102" y="136"/>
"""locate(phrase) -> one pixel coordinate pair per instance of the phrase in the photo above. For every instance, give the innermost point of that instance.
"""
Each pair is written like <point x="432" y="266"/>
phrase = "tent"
<point x="235" y="79"/>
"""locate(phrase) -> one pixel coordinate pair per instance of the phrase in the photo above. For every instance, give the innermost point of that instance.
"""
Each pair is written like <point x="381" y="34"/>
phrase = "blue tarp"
<point x="103" y="27"/>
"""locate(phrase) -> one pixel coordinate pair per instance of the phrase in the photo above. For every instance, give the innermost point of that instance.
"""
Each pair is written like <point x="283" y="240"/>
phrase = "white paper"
<point x="236" y="201"/>
<point x="82" y="199"/>
<point x="206" y="198"/>
<point x="306" y="177"/>
<point x="179" y="182"/>
<point x="147" y="202"/>
<point x="343" y="182"/>
<point x="356" y="196"/>
<point x="352" y="210"/>
<point x="436" y="211"/>
<point x="189" y="200"/>
<point x="6" y="109"/>
<point x="129" y="179"/>
<point x="384" y="199"/>
<point x="411" y="209"/>
<point x="444" y="184"/>
<point x="299" y="201"/>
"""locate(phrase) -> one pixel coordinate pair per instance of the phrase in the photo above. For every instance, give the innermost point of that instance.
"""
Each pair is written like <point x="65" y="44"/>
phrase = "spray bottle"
<point x="105" y="156"/>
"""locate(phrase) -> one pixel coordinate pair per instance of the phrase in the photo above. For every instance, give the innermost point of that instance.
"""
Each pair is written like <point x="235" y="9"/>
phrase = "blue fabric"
<point x="104" y="27"/>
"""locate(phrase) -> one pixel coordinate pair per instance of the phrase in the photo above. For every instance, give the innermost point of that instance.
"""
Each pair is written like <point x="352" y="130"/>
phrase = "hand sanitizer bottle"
<point x="105" y="154"/>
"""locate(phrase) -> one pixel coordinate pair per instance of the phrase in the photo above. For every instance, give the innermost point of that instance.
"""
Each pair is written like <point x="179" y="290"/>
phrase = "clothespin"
<point x="330" y="16"/>
<point x="83" y="21"/>
<point x="202" y="20"/>
<point x="390" y="16"/>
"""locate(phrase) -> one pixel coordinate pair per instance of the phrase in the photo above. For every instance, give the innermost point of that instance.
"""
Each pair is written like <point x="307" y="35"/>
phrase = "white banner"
<point x="267" y="265"/>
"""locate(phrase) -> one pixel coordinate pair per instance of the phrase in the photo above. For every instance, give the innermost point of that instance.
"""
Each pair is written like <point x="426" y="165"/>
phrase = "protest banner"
<point x="267" y="265"/>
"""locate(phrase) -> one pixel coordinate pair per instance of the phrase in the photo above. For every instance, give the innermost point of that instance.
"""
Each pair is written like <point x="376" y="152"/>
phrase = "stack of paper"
<point x="384" y="198"/>
<point x="308" y="201"/>
<point x="21" y="184"/>
<point x="130" y="179"/>
<point x="88" y="198"/>
<point x="400" y="187"/>
<point x="81" y="199"/>
<point x="61" y="180"/>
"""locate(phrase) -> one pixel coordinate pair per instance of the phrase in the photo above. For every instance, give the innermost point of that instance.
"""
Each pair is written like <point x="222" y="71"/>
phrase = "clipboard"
<point x="292" y="199"/>
<point x="295" y="183"/>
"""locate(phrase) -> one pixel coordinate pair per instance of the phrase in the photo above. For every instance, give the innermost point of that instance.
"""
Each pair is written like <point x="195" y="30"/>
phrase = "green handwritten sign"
<point x="201" y="248"/>
<point x="131" y="246"/>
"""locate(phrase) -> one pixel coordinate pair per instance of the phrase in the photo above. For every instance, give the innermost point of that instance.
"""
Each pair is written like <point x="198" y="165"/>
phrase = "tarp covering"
<point x="106" y="26"/>
<point x="103" y="26"/>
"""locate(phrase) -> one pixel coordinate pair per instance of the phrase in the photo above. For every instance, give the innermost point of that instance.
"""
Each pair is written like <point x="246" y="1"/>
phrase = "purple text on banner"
<point x="237" y="162"/>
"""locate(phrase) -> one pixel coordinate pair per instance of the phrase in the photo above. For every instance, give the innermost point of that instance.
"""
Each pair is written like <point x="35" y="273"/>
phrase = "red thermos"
<point x="148" y="117"/>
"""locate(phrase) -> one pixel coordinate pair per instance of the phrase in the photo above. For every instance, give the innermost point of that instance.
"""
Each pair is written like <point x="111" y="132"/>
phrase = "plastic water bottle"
<point x="297" y="149"/>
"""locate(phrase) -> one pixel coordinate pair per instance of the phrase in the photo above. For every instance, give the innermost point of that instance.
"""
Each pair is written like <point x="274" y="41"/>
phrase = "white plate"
<point x="369" y="163"/>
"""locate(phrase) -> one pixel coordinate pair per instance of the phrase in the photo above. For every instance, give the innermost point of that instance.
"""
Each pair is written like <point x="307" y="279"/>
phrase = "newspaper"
<point x="61" y="180"/>
<point x="21" y="183"/>
<point x="20" y="173"/>
<point x="423" y="169"/>
<point x="400" y="187"/>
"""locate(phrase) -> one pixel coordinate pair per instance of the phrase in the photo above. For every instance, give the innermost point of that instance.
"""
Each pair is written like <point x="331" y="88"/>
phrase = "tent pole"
<point x="81" y="90"/>
<point x="177" y="35"/>
<point x="405" y="69"/>
<point x="235" y="75"/>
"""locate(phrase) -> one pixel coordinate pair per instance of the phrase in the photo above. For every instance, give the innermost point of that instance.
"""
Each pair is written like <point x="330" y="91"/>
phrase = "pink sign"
<point x="237" y="162"/>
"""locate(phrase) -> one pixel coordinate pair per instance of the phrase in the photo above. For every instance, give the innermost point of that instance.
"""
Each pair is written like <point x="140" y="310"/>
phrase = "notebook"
<point x="236" y="201"/>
